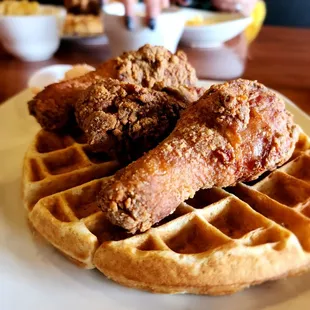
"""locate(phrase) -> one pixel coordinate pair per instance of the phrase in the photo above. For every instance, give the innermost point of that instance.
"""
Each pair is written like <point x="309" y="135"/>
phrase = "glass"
<point x="220" y="63"/>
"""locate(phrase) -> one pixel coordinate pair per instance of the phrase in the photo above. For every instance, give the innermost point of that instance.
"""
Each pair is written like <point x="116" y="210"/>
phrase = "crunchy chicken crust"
<point x="150" y="66"/>
<point x="125" y="120"/>
<point x="235" y="132"/>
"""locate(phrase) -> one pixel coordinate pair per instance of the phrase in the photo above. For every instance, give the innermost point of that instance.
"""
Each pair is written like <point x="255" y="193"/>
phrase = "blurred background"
<point x="288" y="13"/>
<point x="279" y="12"/>
<point x="223" y="39"/>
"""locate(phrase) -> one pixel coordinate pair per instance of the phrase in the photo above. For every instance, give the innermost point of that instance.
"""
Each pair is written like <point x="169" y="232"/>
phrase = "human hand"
<point x="244" y="6"/>
<point x="153" y="9"/>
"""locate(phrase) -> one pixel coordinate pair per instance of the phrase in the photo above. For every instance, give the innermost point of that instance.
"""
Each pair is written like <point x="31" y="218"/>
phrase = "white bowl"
<point x="32" y="37"/>
<point x="168" y="31"/>
<point x="228" y="26"/>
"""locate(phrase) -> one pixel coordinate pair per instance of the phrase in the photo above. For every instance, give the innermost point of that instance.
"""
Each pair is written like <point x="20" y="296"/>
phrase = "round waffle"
<point x="219" y="242"/>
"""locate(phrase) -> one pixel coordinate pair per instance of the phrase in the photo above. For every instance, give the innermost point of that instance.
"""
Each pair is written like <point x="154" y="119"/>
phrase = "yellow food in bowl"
<point x="26" y="8"/>
<point x="199" y="20"/>
<point x="19" y="8"/>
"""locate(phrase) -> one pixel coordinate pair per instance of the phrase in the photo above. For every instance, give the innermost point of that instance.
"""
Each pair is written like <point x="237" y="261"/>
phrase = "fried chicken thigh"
<point x="235" y="132"/>
<point x="125" y="120"/>
<point x="150" y="66"/>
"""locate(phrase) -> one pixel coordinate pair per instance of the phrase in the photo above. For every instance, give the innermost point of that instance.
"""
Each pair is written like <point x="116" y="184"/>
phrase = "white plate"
<point x="48" y="75"/>
<point x="35" y="276"/>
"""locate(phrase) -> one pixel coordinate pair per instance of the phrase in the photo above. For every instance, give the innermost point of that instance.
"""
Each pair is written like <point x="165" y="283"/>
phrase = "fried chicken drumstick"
<point x="126" y="120"/>
<point x="150" y="66"/>
<point x="235" y="132"/>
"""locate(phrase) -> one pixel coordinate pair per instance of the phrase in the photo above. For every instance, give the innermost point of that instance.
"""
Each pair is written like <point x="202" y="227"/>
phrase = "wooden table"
<point x="279" y="58"/>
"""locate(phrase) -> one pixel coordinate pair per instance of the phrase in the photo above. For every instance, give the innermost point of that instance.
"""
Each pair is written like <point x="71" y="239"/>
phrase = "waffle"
<point x="54" y="163"/>
<point x="219" y="242"/>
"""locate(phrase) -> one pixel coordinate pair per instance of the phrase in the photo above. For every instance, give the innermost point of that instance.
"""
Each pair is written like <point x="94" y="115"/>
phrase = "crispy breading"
<point x="125" y="120"/>
<point x="235" y="132"/>
<point x="150" y="66"/>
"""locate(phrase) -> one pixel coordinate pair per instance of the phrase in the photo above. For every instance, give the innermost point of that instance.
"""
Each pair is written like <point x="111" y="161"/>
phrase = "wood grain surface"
<point x="279" y="58"/>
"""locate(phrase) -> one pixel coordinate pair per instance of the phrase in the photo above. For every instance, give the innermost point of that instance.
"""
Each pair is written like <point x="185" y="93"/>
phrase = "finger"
<point x="226" y="5"/>
<point x="129" y="7"/>
<point x="165" y="4"/>
<point x="129" y="13"/>
<point x="153" y="8"/>
<point x="184" y="2"/>
<point x="247" y="6"/>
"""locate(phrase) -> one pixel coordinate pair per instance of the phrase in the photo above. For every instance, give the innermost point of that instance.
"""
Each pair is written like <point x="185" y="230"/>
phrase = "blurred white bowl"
<point x="33" y="37"/>
<point x="225" y="27"/>
<point x="168" y="31"/>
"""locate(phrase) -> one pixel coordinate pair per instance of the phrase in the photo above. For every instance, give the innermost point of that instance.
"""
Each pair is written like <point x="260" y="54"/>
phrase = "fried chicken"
<point x="235" y="132"/>
<point x="150" y="66"/>
<point x="125" y="120"/>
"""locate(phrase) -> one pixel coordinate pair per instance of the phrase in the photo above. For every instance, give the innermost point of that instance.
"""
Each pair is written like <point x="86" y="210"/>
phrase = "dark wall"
<point x="288" y="13"/>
